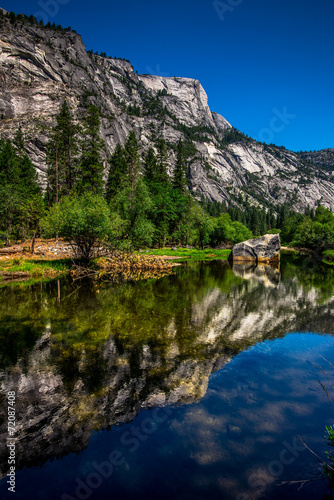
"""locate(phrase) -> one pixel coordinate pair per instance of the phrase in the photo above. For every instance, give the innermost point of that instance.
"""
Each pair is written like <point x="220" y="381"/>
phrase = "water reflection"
<point x="84" y="357"/>
<point x="268" y="275"/>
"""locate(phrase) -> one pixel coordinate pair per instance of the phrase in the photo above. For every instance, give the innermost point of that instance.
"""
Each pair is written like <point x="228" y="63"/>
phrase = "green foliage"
<point x="162" y="161"/>
<point x="162" y="92"/>
<point x="150" y="166"/>
<point x="328" y="256"/>
<point x="192" y="254"/>
<point x="18" y="184"/>
<point x="132" y="159"/>
<point x="133" y="206"/>
<point x="90" y="174"/>
<point x="179" y="174"/>
<point x="196" y="133"/>
<point x="304" y="231"/>
<point x="61" y="157"/>
<point x="85" y="220"/>
<point x="328" y="468"/>
<point x="134" y="110"/>
<point x="202" y="224"/>
<point x="33" y="21"/>
<point x="232" y="135"/>
<point x="117" y="172"/>
<point x="226" y="231"/>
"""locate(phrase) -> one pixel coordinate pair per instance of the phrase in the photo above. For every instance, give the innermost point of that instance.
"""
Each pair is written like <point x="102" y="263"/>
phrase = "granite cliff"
<point x="40" y="67"/>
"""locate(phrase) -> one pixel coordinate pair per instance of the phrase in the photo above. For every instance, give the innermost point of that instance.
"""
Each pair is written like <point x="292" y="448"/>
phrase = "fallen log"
<point x="9" y="250"/>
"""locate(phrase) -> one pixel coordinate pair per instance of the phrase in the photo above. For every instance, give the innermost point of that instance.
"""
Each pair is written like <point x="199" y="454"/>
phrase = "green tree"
<point x="150" y="166"/>
<point x="203" y="225"/>
<point x="162" y="161"/>
<point x="180" y="228"/>
<point x="91" y="165"/>
<point x="117" y="173"/>
<point x="133" y="164"/>
<point x="179" y="174"/>
<point x="33" y="210"/>
<point x="226" y="231"/>
<point x="83" y="220"/>
<point x="61" y="156"/>
<point x="19" y="140"/>
<point x="163" y="209"/>
<point x="18" y="182"/>
<point x="134" y="207"/>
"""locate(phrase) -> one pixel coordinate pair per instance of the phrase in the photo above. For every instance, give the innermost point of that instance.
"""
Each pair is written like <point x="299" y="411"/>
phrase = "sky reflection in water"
<point x="199" y="357"/>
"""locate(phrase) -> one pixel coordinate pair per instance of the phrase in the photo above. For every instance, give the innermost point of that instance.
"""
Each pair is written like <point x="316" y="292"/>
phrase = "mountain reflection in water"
<point x="95" y="354"/>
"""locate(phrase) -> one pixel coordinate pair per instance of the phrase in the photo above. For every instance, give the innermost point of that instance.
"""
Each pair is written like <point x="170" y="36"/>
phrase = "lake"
<point x="199" y="385"/>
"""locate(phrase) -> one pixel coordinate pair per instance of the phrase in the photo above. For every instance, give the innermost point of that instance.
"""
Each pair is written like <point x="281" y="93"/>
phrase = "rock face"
<point x="265" y="249"/>
<point x="39" y="68"/>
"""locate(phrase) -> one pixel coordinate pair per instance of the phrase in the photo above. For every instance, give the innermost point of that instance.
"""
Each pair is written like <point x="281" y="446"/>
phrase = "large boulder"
<point x="265" y="249"/>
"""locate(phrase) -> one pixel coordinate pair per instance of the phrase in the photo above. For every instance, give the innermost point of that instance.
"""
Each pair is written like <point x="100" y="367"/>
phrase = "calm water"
<point x="193" y="386"/>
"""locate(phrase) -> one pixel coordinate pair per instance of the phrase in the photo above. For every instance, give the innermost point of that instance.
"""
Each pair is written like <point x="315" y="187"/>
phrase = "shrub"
<point x="84" y="221"/>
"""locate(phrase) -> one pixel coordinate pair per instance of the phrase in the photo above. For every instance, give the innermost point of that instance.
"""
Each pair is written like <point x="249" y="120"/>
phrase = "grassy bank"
<point x="184" y="254"/>
<point x="34" y="270"/>
<point x="128" y="266"/>
<point x="30" y="270"/>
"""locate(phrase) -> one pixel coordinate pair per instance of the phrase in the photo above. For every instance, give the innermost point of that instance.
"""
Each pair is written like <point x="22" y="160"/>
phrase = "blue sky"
<point x="266" y="65"/>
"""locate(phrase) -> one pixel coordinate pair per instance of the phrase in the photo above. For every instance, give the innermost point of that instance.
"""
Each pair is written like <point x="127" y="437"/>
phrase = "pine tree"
<point x="62" y="155"/>
<point x="117" y="173"/>
<point x="150" y="166"/>
<point x="91" y="165"/>
<point x="18" y="183"/>
<point x="179" y="175"/>
<point x="19" y="140"/>
<point x="133" y="165"/>
<point x="162" y="161"/>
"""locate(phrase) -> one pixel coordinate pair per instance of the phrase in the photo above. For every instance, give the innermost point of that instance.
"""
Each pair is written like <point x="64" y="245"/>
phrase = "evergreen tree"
<point x="254" y="223"/>
<point x="132" y="158"/>
<point x="18" y="183"/>
<point x="133" y="165"/>
<point x="117" y="173"/>
<point x="162" y="161"/>
<point x="162" y="211"/>
<point x="91" y="164"/>
<point x="19" y="140"/>
<point x="150" y="166"/>
<point x="62" y="156"/>
<point x="179" y="175"/>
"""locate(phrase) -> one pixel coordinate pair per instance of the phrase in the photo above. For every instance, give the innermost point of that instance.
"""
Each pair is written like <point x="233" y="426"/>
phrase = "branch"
<point x="319" y="458"/>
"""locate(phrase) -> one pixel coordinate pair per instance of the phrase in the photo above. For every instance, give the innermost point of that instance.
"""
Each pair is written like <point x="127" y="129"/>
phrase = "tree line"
<point x="138" y="204"/>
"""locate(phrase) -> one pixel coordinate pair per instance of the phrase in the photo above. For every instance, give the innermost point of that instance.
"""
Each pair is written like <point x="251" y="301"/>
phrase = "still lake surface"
<point x="193" y="386"/>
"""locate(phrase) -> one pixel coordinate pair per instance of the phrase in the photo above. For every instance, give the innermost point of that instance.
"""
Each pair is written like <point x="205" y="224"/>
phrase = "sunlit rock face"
<point x="40" y="68"/>
<point x="141" y="346"/>
<point x="265" y="249"/>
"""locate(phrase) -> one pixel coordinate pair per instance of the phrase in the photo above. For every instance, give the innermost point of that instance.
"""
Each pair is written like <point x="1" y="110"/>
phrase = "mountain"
<point x="323" y="158"/>
<point x="42" y="66"/>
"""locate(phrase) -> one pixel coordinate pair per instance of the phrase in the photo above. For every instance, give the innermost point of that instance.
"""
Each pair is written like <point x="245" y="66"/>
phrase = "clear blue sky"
<point x="256" y="59"/>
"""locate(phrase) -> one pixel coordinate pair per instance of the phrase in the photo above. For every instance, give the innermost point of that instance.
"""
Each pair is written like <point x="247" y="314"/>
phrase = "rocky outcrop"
<point x="39" y="68"/>
<point x="264" y="249"/>
<point x="324" y="158"/>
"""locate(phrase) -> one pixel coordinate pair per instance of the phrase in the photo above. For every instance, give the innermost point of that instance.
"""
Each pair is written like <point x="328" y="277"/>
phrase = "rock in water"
<point x="264" y="249"/>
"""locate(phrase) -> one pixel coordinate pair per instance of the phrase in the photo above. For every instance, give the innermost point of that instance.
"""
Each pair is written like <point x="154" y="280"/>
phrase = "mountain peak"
<point x="40" y="67"/>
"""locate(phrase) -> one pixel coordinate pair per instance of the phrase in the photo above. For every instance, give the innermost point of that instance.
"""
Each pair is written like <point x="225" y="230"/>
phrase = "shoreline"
<point x="55" y="259"/>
